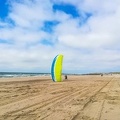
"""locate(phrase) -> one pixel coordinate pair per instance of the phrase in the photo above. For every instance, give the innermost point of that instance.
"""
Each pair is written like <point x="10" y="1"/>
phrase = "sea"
<point x="20" y="74"/>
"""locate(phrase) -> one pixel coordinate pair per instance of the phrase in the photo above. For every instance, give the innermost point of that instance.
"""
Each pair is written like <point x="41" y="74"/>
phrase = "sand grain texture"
<point x="78" y="98"/>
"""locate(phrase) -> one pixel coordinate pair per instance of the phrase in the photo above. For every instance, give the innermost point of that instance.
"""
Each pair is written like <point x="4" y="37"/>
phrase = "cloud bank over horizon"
<point x="86" y="32"/>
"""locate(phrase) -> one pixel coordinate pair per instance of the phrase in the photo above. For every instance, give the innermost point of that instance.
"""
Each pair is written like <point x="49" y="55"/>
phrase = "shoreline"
<point x="28" y="78"/>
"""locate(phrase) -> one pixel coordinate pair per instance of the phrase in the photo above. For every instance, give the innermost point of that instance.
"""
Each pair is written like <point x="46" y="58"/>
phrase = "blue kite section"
<point x="52" y="69"/>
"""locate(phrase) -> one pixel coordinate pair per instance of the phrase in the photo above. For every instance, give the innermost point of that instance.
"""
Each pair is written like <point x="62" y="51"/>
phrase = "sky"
<point x="86" y="32"/>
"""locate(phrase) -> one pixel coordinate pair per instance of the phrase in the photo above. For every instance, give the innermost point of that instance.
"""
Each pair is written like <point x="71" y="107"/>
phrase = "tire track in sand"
<point x="48" y="105"/>
<point x="48" y="102"/>
<point x="45" y="112"/>
<point x="20" y="106"/>
<point x="89" y="107"/>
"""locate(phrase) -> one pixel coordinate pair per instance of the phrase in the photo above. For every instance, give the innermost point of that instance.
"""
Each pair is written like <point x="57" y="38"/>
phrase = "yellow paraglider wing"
<point x="56" y="69"/>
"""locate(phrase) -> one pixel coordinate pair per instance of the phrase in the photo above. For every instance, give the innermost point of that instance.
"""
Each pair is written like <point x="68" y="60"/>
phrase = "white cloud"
<point x="92" y="46"/>
<point x="31" y="13"/>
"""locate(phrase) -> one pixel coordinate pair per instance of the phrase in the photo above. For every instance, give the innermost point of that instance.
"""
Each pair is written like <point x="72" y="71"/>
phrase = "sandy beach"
<point x="78" y="98"/>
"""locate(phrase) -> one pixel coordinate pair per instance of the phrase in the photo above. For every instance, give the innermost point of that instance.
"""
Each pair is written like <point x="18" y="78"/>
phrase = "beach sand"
<point x="77" y="98"/>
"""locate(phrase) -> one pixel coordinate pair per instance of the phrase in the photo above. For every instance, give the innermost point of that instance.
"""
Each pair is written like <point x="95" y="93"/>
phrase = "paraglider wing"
<point x="56" y="69"/>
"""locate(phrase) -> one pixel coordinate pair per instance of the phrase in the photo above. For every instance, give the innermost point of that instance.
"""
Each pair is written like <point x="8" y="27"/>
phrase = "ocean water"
<point x="20" y="74"/>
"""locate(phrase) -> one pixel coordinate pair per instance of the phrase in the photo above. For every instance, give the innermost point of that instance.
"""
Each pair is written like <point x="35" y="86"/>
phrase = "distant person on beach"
<point x="66" y="77"/>
<point x="101" y="74"/>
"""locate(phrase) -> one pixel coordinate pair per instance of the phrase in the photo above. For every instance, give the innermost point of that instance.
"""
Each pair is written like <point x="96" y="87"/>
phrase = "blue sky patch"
<point x="11" y="23"/>
<point x="5" y="42"/>
<point x="48" y="26"/>
<point x="67" y="8"/>
<point x="87" y="16"/>
<point x="84" y="18"/>
<point x="3" y="9"/>
<point x="46" y="42"/>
